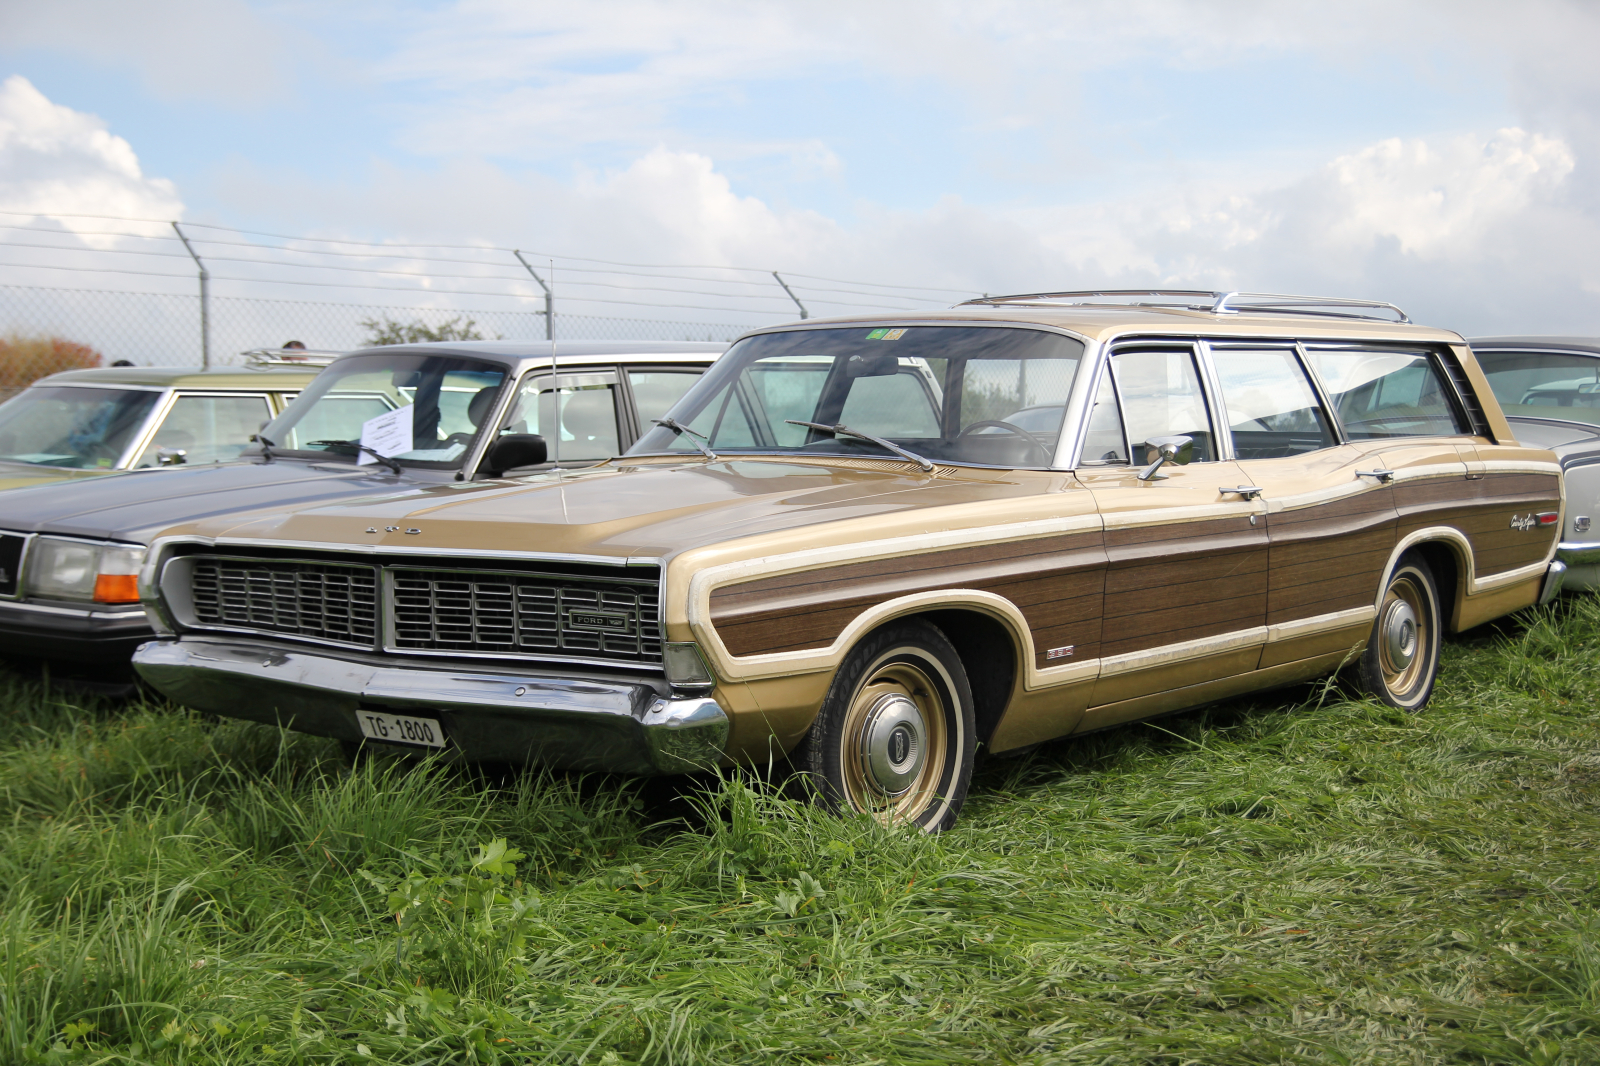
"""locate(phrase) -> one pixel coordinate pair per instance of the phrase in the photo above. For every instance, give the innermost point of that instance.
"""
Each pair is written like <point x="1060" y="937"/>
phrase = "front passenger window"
<point x="1161" y="397"/>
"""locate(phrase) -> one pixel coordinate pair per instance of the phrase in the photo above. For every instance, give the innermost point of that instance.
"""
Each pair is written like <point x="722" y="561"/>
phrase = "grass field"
<point x="1297" y="878"/>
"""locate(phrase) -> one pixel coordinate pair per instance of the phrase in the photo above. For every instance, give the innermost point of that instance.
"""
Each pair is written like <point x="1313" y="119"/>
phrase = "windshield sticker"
<point x="886" y="334"/>
<point x="876" y="335"/>
<point x="387" y="434"/>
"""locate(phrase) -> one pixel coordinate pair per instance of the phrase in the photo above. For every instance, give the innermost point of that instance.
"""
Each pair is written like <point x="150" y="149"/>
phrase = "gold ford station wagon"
<point x="872" y="545"/>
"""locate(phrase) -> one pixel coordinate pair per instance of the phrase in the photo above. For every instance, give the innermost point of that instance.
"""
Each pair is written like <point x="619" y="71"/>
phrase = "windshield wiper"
<point x="909" y="456"/>
<point x="384" y="459"/>
<point x="684" y="431"/>
<point x="266" y="447"/>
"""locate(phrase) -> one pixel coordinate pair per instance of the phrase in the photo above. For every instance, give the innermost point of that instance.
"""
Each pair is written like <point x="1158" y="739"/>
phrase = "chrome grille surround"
<point x="333" y="602"/>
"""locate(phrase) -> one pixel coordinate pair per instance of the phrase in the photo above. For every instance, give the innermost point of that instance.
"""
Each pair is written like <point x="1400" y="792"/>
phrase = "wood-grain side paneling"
<point x="1330" y="557"/>
<point x="1056" y="582"/>
<point x="1482" y="509"/>
<point x="1173" y="583"/>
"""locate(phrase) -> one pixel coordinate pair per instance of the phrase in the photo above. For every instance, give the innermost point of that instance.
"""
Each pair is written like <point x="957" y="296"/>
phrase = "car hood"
<point x="24" y="475"/>
<point x="621" y="511"/>
<point x="135" y="505"/>
<point x="1567" y="439"/>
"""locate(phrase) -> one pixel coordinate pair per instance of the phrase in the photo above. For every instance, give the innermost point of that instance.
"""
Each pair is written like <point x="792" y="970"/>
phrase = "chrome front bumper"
<point x="1582" y="559"/>
<point x="503" y="716"/>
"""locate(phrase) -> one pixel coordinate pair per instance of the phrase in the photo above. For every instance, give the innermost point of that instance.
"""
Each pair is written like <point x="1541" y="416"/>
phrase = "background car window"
<point x="588" y="415"/>
<point x="1545" y="384"/>
<point x="337" y="416"/>
<point x="450" y="397"/>
<point x="898" y="405"/>
<point x="1380" y="394"/>
<point x="72" y="427"/>
<point x="1161" y="397"/>
<point x="655" y="391"/>
<point x="207" y="428"/>
<point x="1105" y="442"/>
<point x="1272" y="409"/>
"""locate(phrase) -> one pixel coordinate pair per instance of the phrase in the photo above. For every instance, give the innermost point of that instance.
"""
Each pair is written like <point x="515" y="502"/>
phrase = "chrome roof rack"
<point x="1216" y="303"/>
<point x="265" y="358"/>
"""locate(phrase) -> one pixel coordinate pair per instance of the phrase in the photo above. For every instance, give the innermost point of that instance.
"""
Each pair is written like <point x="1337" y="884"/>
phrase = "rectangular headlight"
<point x="74" y="570"/>
<point x="684" y="665"/>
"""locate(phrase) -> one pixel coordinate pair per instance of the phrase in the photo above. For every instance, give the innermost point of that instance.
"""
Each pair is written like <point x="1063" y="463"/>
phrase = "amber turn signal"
<point x="116" y="588"/>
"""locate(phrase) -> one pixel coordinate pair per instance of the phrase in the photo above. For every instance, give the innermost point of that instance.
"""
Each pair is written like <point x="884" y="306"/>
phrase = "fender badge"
<point x="1523" y="522"/>
<point x="1060" y="653"/>
<point x="413" y="531"/>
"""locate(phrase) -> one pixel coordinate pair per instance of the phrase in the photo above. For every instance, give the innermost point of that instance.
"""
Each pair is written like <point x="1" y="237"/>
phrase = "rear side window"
<point x="1271" y="408"/>
<point x="1379" y="394"/>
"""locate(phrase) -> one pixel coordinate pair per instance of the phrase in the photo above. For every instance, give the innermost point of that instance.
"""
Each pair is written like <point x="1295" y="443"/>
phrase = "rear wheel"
<point x="1401" y="662"/>
<point x="894" y="738"/>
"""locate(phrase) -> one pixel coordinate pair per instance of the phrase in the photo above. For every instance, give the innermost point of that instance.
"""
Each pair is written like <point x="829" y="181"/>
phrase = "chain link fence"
<point x="163" y="329"/>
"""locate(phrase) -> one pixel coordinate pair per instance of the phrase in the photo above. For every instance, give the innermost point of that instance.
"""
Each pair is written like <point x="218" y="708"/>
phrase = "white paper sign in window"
<point x="388" y="434"/>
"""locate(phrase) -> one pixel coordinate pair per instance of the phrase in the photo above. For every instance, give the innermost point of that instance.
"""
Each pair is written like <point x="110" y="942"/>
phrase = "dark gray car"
<point x="70" y="551"/>
<point x="1549" y="388"/>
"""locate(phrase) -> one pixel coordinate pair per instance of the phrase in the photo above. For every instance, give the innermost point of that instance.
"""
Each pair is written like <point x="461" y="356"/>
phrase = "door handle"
<point x="1383" y="476"/>
<point x="1246" y="492"/>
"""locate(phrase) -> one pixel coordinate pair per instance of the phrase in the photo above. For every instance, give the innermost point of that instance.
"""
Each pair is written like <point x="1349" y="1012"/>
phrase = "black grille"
<point x="335" y="603"/>
<point x="472" y="611"/>
<point x="11" y="545"/>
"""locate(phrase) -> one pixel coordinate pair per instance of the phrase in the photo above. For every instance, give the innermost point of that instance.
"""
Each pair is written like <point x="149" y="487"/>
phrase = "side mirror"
<point x="171" y="457"/>
<point x="513" y="450"/>
<point x="1161" y="450"/>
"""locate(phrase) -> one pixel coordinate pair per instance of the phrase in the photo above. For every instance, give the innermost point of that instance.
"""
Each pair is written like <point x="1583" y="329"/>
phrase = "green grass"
<point x="1295" y="878"/>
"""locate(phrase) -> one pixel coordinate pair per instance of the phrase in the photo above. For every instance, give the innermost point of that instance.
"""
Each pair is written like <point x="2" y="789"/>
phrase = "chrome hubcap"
<point x="893" y="744"/>
<point x="1400" y="634"/>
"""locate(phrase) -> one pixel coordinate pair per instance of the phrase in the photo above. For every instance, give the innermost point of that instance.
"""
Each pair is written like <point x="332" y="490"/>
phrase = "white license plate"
<point x="401" y="728"/>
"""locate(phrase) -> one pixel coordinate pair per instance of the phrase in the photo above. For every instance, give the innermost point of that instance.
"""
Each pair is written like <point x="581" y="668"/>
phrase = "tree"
<point x="385" y="330"/>
<point x="24" y="360"/>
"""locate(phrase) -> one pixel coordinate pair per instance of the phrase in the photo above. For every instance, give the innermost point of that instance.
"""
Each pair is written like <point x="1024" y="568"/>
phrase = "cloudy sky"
<point x="1440" y="155"/>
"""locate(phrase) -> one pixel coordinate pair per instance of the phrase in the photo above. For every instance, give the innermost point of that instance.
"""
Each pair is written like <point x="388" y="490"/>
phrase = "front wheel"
<point x="894" y="738"/>
<point x="1401" y="662"/>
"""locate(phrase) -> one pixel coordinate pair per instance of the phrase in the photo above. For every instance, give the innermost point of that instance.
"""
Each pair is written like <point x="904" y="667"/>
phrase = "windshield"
<point x="989" y="396"/>
<point x="444" y="398"/>
<point x="1545" y="384"/>
<point x="63" y="425"/>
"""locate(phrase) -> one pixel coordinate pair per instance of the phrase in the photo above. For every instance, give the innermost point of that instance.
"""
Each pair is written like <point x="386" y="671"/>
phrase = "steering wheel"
<point x="1018" y="430"/>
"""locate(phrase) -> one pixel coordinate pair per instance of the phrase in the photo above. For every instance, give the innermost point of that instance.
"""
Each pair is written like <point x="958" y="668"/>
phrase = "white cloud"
<point x="211" y="49"/>
<point x="55" y="159"/>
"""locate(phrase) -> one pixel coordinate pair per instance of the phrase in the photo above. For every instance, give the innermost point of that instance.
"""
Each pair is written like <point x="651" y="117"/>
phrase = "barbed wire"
<point x="600" y="281"/>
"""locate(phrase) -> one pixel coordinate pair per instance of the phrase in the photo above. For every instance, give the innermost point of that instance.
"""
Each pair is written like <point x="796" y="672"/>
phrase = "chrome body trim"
<point x="73" y="612"/>
<point x="574" y="722"/>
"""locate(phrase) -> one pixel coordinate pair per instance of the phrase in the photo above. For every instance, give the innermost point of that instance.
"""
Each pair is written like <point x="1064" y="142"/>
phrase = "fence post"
<point x="205" y="300"/>
<point x="803" y="312"/>
<point x="549" y="300"/>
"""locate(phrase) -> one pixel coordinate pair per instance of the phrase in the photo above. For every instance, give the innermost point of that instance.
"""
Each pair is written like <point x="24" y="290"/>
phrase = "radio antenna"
<point x="555" y="374"/>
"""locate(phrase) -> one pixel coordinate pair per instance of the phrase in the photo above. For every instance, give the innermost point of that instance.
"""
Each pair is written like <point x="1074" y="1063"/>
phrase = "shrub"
<point x="24" y="360"/>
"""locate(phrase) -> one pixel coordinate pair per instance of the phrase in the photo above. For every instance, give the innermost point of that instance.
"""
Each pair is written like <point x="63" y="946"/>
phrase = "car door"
<point x="1331" y="530"/>
<point x="1186" y="581"/>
